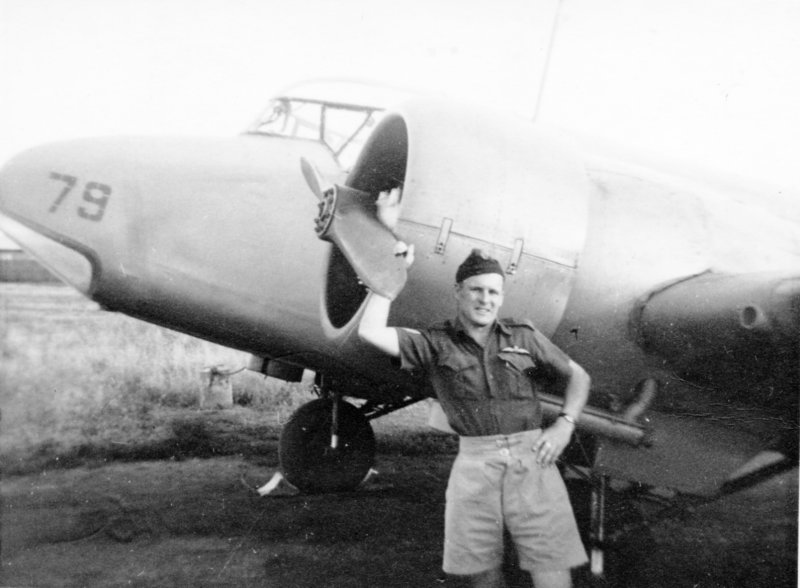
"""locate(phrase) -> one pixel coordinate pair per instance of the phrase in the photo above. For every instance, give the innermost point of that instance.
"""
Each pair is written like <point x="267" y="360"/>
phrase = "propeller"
<point x="349" y="218"/>
<point x="315" y="180"/>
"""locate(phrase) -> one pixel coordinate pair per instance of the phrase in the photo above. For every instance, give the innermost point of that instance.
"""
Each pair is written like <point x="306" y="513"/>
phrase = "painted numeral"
<point x="95" y="197"/>
<point x="69" y="184"/>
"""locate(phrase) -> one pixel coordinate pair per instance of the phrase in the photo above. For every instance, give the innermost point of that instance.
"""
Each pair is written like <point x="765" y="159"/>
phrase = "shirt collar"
<point x="456" y="328"/>
<point x="503" y="327"/>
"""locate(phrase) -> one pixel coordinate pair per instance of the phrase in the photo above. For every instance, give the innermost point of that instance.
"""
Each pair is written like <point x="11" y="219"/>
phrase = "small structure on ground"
<point x="218" y="389"/>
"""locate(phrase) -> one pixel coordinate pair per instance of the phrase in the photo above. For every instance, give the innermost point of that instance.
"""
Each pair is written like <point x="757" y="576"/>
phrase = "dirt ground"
<point x="199" y="522"/>
<point x="182" y="510"/>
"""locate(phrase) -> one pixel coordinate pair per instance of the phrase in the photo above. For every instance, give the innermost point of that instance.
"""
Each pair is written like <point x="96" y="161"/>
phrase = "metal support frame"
<point x="375" y="410"/>
<point x="337" y="397"/>
<point x="597" y="531"/>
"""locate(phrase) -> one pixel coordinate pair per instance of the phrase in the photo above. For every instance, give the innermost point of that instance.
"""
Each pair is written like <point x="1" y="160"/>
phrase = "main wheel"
<point x="307" y="459"/>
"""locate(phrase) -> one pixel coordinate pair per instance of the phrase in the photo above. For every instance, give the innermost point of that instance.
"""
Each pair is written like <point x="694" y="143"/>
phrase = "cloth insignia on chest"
<point x="515" y="349"/>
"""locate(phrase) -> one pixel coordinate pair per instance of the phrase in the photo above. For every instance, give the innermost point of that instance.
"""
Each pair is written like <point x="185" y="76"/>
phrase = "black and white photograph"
<point x="371" y="294"/>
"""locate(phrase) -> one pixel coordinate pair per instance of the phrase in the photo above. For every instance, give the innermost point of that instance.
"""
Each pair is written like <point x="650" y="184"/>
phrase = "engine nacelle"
<point x="719" y="329"/>
<point x="471" y="178"/>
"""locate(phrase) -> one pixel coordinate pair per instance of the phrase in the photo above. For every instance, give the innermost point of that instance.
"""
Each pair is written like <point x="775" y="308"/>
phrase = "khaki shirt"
<point x="487" y="390"/>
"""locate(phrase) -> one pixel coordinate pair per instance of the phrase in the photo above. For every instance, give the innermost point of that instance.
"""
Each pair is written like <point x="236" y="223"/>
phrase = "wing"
<point x="735" y="334"/>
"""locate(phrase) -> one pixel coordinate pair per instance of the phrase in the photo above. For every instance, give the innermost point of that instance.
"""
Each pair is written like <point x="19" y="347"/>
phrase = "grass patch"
<point x="81" y="385"/>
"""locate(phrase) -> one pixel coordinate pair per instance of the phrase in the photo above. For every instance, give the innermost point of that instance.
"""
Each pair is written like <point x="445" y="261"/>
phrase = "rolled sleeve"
<point x="555" y="363"/>
<point x="416" y="351"/>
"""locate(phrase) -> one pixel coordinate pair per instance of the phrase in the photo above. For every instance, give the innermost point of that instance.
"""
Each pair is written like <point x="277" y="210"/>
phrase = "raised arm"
<point x="373" y="326"/>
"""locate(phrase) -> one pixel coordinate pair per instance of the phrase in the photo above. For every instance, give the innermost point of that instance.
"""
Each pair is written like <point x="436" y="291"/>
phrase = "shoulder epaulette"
<point x="511" y="322"/>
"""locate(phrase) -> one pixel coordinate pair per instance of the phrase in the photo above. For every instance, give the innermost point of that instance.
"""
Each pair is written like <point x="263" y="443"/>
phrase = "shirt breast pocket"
<point x="519" y="370"/>
<point x="460" y="376"/>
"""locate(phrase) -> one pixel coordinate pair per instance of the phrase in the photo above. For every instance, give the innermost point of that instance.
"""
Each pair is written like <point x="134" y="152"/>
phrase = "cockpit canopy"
<point x="341" y="115"/>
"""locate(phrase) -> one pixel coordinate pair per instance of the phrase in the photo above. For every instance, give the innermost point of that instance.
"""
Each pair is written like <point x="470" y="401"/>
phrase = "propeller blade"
<point x="314" y="179"/>
<point x="348" y="219"/>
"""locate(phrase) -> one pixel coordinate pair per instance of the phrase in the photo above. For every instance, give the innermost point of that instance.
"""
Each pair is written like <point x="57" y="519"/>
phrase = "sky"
<point x="713" y="83"/>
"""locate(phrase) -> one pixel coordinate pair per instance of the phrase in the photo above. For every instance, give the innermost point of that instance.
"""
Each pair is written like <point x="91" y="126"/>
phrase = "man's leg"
<point x="557" y="579"/>
<point x="539" y="517"/>
<point x="473" y="539"/>
<point x="488" y="579"/>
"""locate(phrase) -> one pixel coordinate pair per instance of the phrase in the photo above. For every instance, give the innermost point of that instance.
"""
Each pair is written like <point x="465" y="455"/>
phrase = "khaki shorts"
<point x="496" y="482"/>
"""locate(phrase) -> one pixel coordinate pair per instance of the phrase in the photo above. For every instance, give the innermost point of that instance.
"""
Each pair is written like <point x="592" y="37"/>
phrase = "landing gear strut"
<point x="597" y="528"/>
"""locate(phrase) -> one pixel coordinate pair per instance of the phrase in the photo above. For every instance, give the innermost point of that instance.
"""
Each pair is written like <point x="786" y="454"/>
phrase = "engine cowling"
<point x="471" y="178"/>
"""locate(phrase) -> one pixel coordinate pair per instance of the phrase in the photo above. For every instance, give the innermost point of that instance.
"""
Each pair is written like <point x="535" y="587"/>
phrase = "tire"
<point x="307" y="460"/>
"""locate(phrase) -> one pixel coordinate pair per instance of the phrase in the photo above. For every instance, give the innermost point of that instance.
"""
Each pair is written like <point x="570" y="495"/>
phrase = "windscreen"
<point x="343" y="128"/>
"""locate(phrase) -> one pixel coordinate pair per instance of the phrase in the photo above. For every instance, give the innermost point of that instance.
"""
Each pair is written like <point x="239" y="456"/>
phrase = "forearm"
<point x="556" y="437"/>
<point x="576" y="394"/>
<point x="373" y="327"/>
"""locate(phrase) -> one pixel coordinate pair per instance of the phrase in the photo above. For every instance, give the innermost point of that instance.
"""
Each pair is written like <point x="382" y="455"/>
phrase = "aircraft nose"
<point x="55" y="202"/>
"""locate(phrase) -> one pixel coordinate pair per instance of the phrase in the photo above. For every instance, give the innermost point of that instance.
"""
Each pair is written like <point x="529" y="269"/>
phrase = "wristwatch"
<point x="568" y="417"/>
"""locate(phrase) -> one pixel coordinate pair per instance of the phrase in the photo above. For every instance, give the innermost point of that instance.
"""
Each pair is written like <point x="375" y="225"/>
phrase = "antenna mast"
<point x="548" y="55"/>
